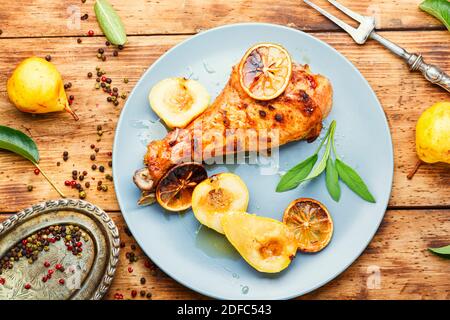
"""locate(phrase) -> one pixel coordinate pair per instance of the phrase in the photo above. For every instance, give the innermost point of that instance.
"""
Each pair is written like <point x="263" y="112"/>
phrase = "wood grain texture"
<point x="403" y="96"/>
<point x="398" y="253"/>
<point x="38" y="18"/>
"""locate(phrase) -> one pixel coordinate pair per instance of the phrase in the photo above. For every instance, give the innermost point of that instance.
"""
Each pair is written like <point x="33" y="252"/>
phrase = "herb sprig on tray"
<point x="335" y="170"/>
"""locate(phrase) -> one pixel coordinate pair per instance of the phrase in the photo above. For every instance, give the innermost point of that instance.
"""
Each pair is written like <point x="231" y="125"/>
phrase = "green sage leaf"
<point x="317" y="171"/>
<point x="440" y="9"/>
<point x="443" y="251"/>
<point x="332" y="180"/>
<point x="293" y="177"/>
<point x="110" y="22"/>
<point x="18" y="142"/>
<point x="353" y="180"/>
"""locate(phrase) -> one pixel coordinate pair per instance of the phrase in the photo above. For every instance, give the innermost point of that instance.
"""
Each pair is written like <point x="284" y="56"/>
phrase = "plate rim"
<point x="357" y="72"/>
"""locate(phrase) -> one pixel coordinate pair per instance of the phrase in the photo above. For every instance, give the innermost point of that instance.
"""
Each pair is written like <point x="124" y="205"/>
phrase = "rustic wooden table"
<point x="419" y="210"/>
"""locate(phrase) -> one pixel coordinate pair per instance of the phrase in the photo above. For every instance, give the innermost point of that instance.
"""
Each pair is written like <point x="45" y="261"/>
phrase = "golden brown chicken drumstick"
<point x="296" y="114"/>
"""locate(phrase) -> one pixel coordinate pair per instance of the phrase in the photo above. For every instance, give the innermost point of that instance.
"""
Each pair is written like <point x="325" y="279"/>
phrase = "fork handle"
<point x="431" y="72"/>
<point x="415" y="62"/>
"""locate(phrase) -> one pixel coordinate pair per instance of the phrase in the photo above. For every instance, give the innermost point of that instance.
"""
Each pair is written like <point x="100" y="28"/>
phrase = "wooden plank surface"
<point x="24" y="18"/>
<point x="396" y="265"/>
<point x="403" y="96"/>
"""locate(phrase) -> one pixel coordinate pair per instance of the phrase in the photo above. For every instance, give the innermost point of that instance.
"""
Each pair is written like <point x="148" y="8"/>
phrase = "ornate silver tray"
<point x="84" y="275"/>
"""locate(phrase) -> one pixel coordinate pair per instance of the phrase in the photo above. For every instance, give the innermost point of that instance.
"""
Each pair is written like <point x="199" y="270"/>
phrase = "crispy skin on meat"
<point x="297" y="115"/>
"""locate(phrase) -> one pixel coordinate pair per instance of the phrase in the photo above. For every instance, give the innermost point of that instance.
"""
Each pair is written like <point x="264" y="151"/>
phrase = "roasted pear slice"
<point x="218" y="195"/>
<point x="177" y="101"/>
<point x="266" y="244"/>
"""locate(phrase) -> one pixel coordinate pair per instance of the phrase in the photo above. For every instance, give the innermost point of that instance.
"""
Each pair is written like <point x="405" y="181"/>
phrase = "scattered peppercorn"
<point x="97" y="150"/>
<point x="79" y="40"/>
<point x="94" y="167"/>
<point x="110" y="163"/>
<point x="30" y="188"/>
<point x="92" y="157"/>
<point x="89" y="74"/>
<point x="115" y="53"/>
<point x="149" y="295"/>
<point x="122" y="244"/>
<point x="142" y="293"/>
<point x="107" y="43"/>
<point x="48" y="57"/>
<point x="104" y="188"/>
<point x="87" y="184"/>
<point x="101" y="169"/>
<point x="142" y="280"/>
<point x="84" y="16"/>
<point x="125" y="80"/>
<point x="120" y="47"/>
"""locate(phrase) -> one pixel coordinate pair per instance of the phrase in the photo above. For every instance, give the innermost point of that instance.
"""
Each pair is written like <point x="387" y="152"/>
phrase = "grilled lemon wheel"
<point x="265" y="71"/>
<point x="266" y="244"/>
<point x="174" y="191"/>
<point x="310" y="223"/>
<point x="216" y="196"/>
<point x="177" y="101"/>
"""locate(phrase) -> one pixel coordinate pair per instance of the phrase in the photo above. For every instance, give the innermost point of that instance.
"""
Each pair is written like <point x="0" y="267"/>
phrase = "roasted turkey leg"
<point x="295" y="115"/>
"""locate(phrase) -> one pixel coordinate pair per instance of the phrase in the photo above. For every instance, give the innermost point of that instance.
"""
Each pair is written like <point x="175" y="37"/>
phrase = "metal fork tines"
<point x="366" y="29"/>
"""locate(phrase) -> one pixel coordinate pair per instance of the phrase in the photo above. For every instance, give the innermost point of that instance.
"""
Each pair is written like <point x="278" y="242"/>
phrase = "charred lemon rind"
<point x="177" y="101"/>
<point x="218" y="195"/>
<point x="265" y="71"/>
<point x="174" y="190"/>
<point x="310" y="223"/>
<point x="265" y="244"/>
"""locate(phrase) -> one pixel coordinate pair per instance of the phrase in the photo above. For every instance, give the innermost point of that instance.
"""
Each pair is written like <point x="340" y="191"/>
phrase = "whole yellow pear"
<point x="36" y="86"/>
<point x="433" y="134"/>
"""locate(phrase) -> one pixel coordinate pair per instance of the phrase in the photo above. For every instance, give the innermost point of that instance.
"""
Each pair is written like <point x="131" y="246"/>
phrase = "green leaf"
<point x="317" y="171"/>
<point x="443" y="251"/>
<point x="18" y="142"/>
<point x="332" y="180"/>
<point x="440" y="9"/>
<point x="293" y="177"/>
<point x="110" y="22"/>
<point x="352" y="179"/>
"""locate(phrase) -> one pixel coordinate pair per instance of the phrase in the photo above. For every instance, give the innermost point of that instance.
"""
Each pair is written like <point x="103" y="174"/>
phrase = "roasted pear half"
<point x="218" y="195"/>
<point x="178" y="101"/>
<point x="266" y="244"/>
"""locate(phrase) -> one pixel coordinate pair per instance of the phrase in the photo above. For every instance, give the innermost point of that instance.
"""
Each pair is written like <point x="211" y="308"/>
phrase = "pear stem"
<point x="415" y="169"/>
<point x="49" y="181"/>
<point x="74" y="115"/>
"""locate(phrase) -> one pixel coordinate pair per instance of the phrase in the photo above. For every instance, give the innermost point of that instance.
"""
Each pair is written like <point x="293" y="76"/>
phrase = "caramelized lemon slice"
<point x="310" y="223"/>
<point x="174" y="191"/>
<point x="217" y="196"/>
<point x="265" y="71"/>
<point x="266" y="244"/>
<point x="177" y="101"/>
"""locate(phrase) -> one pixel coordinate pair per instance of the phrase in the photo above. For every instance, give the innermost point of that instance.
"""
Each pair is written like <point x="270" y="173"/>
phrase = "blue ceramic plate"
<point x="203" y="260"/>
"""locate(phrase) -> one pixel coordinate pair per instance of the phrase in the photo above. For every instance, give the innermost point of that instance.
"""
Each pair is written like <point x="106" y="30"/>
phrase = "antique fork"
<point x="365" y="31"/>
